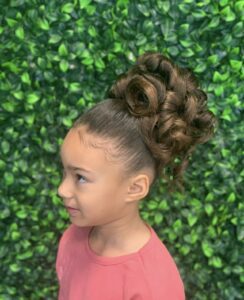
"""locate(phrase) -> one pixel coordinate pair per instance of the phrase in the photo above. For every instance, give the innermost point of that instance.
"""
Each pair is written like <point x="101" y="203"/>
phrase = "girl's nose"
<point x="64" y="191"/>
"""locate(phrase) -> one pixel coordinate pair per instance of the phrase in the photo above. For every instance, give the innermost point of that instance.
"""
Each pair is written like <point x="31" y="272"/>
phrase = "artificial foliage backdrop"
<point x="58" y="57"/>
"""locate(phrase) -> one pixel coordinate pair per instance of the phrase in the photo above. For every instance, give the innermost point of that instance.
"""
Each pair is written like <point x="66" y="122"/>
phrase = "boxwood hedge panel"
<point x="58" y="57"/>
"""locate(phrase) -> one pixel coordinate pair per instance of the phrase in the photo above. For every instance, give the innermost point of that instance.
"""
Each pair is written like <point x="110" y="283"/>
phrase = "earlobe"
<point x="138" y="188"/>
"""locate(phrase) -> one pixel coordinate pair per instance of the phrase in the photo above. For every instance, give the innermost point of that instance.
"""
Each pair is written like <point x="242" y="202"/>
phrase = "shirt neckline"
<point x="106" y="260"/>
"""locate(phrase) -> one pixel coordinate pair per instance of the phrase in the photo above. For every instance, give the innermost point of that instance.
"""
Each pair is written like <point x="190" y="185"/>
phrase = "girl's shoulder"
<point x="161" y="271"/>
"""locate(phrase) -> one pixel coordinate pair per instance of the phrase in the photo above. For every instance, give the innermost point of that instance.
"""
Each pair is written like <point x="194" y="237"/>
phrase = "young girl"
<point x="112" y="156"/>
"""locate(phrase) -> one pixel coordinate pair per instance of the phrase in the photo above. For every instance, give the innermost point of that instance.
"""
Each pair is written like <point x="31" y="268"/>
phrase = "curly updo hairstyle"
<point x="157" y="114"/>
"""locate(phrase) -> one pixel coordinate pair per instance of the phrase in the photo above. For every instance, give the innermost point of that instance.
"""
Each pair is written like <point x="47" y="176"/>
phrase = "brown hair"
<point x="157" y="114"/>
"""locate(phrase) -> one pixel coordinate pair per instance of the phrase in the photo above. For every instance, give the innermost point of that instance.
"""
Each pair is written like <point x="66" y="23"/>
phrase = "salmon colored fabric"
<point x="148" y="274"/>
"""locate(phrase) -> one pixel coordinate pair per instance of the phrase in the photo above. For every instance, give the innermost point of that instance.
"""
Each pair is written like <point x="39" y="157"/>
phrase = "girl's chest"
<point x="93" y="282"/>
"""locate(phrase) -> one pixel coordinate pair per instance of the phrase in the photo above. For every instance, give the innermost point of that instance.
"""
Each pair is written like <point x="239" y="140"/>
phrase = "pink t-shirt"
<point x="148" y="274"/>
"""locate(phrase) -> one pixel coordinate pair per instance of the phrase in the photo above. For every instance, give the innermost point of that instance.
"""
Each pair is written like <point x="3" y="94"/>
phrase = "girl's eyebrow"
<point x="70" y="167"/>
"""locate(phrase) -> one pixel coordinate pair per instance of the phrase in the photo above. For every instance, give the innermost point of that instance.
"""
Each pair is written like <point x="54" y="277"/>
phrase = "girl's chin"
<point x="78" y="221"/>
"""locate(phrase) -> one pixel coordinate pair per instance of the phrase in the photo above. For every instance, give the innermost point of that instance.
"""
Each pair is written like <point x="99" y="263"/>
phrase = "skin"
<point x="105" y="199"/>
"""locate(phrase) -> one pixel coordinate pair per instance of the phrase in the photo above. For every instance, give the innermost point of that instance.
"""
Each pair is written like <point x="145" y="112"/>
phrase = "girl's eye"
<point x="80" y="178"/>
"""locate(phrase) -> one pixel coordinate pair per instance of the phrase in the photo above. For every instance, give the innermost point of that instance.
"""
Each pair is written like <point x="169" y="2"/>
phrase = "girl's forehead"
<point x="80" y="136"/>
<point x="78" y="139"/>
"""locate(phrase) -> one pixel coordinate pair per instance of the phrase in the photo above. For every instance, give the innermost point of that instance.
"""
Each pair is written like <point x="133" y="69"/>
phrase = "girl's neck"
<point x="119" y="239"/>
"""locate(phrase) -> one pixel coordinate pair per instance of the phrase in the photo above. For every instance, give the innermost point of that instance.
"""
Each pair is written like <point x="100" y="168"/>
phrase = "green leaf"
<point x="198" y="14"/>
<point x="15" y="235"/>
<point x="11" y="66"/>
<point x="238" y="30"/>
<point x="24" y="255"/>
<point x="11" y="22"/>
<point x="81" y="102"/>
<point x="214" y="22"/>
<point x="2" y="164"/>
<point x="223" y="2"/>
<point x="8" y="178"/>
<point x="33" y="98"/>
<point x="219" y="90"/>
<point x="23" y="165"/>
<point x="219" y="77"/>
<point x="239" y="6"/>
<point x="158" y="218"/>
<point x="67" y="122"/>
<point x="90" y="10"/>
<point x="49" y="147"/>
<point x="5" y="213"/>
<point x="213" y="59"/>
<point x="62" y="50"/>
<point x="41" y="63"/>
<point x="200" y="68"/>
<point x="209" y="209"/>
<point x="18" y="95"/>
<point x="88" y="61"/>
<point x="75" y="87"/>
<point x="207" y="249"/>
<point x="183" y="29"/>
<point x="54" y="38"/>
<point x="92" y="31"/>
<point x="184" y="8"/>
<point x="99" y="63"/>
<point x="177" y="226"/>
<point x="216" y="262"/>
<point x="67" y="8"/>
<point x="191" y="219"/>
<point x="43" y="24"/>
<point x="29" y="119"/>
<point x="227" y="14"/>
<point x="236" y="64"/>
<point x="8" y="106"/>
<point x="19" y="32"/>
<point x="117" y="47"/>
<point x="21" y="214"/>
<point x="231" y="197"/>
<point x="122" y="3"/>
<point x="42" y="249"/>
<point x="174" y="51"/>
<point x="186" y="43"/>
<point x="143" y="9"/>
<point x="14" y="268"/>
<point x="64" y="65"/>
<point x="226" y="114"/>
<point x="185" y="249"/>
<point x="5" y="146"/>
<point x="25" y="77"/>
<point x="191" y="238"/>
<point x="84" y="3"/>
<point x="187" y="53"/>
<point x="164" y="6"/>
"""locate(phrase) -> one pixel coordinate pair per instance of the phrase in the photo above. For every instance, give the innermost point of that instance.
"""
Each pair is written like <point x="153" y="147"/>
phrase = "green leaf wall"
<point x="58" y="57"/>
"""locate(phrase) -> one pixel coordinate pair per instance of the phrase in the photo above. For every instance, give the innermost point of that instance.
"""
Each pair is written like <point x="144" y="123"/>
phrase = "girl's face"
<point x="91" y="184"/>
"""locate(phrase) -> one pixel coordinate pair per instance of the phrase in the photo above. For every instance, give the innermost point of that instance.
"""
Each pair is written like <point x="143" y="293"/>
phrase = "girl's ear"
<point x="138" y="187"/>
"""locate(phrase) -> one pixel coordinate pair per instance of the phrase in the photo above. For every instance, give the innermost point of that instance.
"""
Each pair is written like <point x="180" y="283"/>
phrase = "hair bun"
<point x="178" y="117"/>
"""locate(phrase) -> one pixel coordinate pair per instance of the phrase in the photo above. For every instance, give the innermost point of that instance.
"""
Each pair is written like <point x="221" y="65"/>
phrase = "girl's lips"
<point x="69" y="207"/>
<point x="72" y="211"/>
